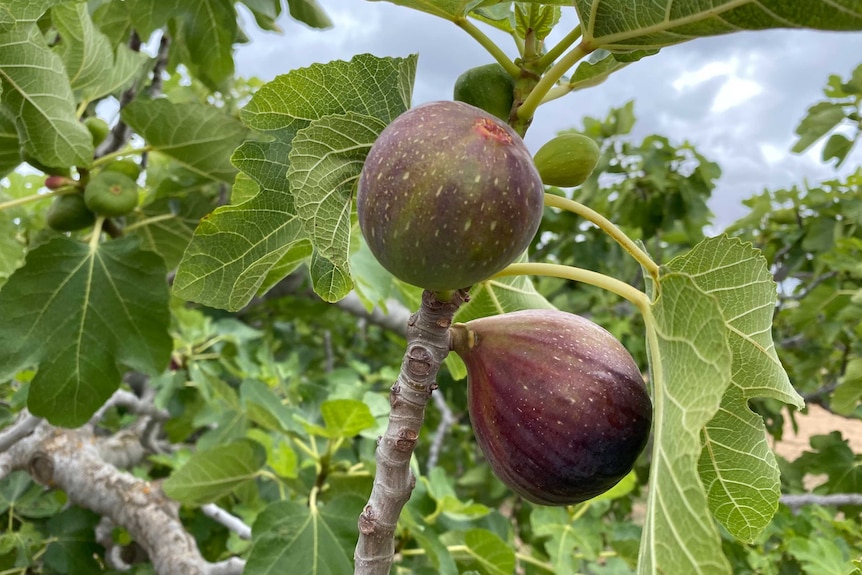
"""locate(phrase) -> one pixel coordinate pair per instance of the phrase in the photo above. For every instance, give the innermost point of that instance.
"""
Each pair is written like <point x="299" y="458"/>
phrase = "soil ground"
<point x="817" y="421"/>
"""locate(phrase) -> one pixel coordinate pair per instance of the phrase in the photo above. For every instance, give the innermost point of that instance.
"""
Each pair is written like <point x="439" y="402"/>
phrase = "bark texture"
<point x="427" y="347"/>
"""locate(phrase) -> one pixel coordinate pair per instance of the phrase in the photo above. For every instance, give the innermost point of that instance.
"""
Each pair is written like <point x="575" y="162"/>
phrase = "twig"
<point x="232" y="522"/>
<point x="427" y="347"/>
<point x="133" y="403"/>
<point x="23" y="426"/>
<point x="795" y="502"/>
<point x="447" y="420"/>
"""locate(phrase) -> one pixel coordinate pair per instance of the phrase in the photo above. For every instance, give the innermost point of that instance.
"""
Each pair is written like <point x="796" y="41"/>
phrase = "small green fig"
<point x="98" y="128"/>
<point x="111" y="194"/>
<point x="558" y="405"/>
<point x="68" y="213"/>
<point x="126" y="166"/>
<point x="567" y="160"/>
<point x="488" y="87"/>
<point x="448" y="196"/>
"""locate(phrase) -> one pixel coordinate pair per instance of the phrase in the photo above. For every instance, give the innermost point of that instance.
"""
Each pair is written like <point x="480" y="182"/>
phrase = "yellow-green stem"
<point x="35" y="198"/>
<point x="606" y="226"/>
<point x="149" y="221"/>
<point x="120" y="153"/>
<point x="97" y="233"/>
<point x="556" y="51"/>
<point x="489" y="45"/>
<point x="549" y="79"/>
<point x="613" y="285"/>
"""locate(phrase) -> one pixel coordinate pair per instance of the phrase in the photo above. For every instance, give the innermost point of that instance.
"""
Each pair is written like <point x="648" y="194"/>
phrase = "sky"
<point x="737" y="98"/>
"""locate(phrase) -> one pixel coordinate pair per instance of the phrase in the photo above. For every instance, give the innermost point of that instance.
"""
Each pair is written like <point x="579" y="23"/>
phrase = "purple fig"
<point x="558" y="405"/>
<point x="448" y="196"/>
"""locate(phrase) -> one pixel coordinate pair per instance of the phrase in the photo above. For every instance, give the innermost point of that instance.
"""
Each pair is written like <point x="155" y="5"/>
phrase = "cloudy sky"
<point x="737" y="98"/>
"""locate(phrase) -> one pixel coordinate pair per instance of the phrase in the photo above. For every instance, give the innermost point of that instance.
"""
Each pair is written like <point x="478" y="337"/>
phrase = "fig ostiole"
<point x="558" y="406"/>
<point x="111" y="194"/>
<point x="448" y="196"/>
<point x="567" y="160"/>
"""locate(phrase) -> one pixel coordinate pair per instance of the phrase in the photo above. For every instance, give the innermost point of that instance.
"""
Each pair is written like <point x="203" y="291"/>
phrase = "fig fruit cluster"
<point x="448" y="196"/>
<point x="558" y="405"/>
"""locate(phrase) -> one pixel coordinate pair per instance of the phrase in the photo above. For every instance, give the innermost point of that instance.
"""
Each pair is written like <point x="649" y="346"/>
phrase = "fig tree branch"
<point x="796" y="502"/>
<point x="72" y="460"/>
<point x="427" y="347"/>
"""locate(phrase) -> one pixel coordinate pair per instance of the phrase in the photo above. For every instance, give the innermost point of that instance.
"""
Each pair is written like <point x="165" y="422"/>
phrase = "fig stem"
<point x="489" y="45"/>
<point x="427" y="347"/>
<point x="606" y="226"/>
<point x="557" y="49"/>
<point x="97" y="233"/>
<point x="120" y="153"/>
<point x="149" y="221"/>
<point x="36" y="197"/>
<point x="622" y="289"/>
<point x="549" y="80"/>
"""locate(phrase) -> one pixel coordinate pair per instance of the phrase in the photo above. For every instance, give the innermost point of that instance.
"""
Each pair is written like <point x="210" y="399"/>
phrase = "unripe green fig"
<point x="98" y="128"/>
<point x="558" y="405"/>
<point x="126" y="166"/>
<point x="111" y="194"/>
<point x="57" y="182"/>
<point x="488" y="87"/>
<point x="567" y="160"/>
<point x="448" y="196"/>
<point x="68" y="213"/>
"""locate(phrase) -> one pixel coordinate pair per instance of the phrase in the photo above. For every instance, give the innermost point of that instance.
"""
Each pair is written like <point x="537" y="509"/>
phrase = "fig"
<point x="57" y="182"/>
<point x="567" y="160"/>
<point x="558" y="405"/>
<point x="111" y="194"/>
<point x="488" y="87"/>
<point x="98" y="128"/>
<point x="448" y="196"/>
<point x="69" y="213"/>
<point x="126" y="166"/>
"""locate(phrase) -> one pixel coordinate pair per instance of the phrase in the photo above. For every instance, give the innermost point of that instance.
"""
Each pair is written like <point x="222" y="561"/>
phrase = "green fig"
<point x="126" y="166"/>
<point x="68" y="213"/>
<point x="558" y="405"/>
<point x="567" y="160"/>
<point x="98" y="128"/>
<point x="488" y="87"/>
<point x="111" y="194"/>
<point x="448" y="196"/>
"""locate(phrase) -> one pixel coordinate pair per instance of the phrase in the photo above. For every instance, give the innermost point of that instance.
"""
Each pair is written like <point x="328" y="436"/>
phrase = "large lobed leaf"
<point x="621" y="25"/>
<point x="243" y="249"/>
<point x="79" y="313"/>
<point x="690" y="371"/>
<point x="37" y="92"/>
<point x="737" y="465"/>
<point x="711" y="350"/>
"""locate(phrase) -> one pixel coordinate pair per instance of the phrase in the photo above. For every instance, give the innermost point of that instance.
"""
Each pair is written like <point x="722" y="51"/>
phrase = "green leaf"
<point x="621" y="25"/>
<point x="266" y="409"/>
<point x="690" y="371"/>
<point x="535" y="18"/>
<point x="166" y="226"/>
<point x="94" y="69"/>
<point x="79" y="313"/>
<point x="37" y="92"/>
<point x="198" y="136"/>
<point x="820" y="119"/>
<point x="213" y="473"/>
<point x="11" y="248"/>
<point x="237" y="250"/>
<point x="309" y="12"/>
<point x="205" y="34"/>
<point x="600" y="65"/>
<point x="346" y="417"/>
<point x="29" y="10"/>
<point x="737" y="465"/>
<point x="819" y="555"/>
<point x="837" y="146"/>
<point x="10" y="148"/>
<point x="495" y="556"/>
<point x="325" y="161"/>
<point x="848" y="394"/>
<point x="832" y="456"/>
<point x="448" y="9"/>
<point x="291" y="537"/>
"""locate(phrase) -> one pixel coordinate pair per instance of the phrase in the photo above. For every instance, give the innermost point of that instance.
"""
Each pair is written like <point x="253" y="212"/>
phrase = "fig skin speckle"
<point x="448" y="196"/>
<point x="558" y="405"/>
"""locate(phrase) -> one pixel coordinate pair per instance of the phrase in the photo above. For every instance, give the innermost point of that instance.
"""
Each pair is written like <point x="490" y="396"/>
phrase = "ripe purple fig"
<point x="448" y="196"/>
<point x="557" y="404"/>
